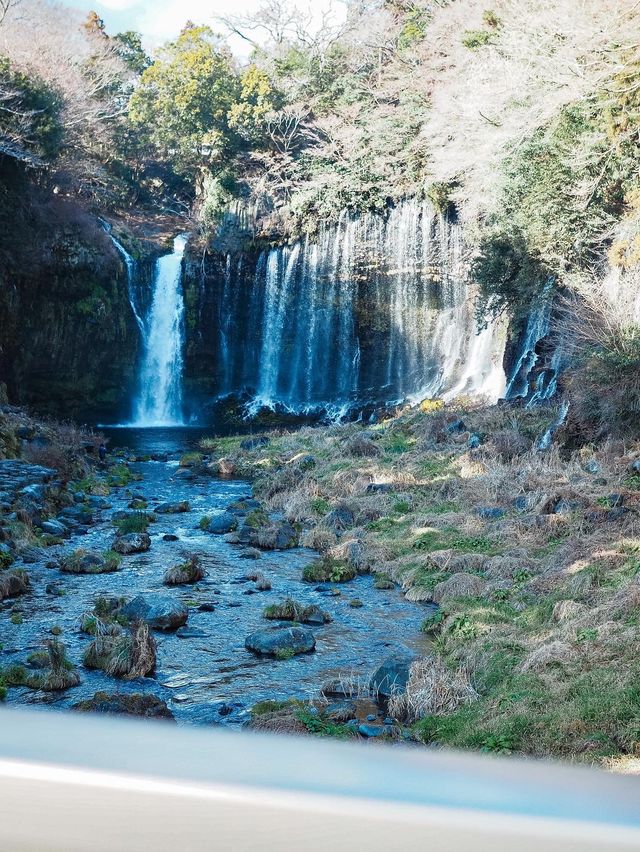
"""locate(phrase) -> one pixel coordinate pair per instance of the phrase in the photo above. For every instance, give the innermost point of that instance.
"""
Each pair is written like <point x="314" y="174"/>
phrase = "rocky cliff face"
<point x="68" y="344"/>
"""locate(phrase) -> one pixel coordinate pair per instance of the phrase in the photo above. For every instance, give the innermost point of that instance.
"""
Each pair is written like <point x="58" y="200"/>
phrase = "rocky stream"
<point x="214" y="658"/>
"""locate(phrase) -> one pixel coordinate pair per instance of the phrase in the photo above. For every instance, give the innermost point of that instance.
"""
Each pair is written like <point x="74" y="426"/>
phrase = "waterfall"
<point x="531" y="378"/>
<point x="130" y="265"/>
<point x="159" y="398"/>
<point x="372" y="309"/>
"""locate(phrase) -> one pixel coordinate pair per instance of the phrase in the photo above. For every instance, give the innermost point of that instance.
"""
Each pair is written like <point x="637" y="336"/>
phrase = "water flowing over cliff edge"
<point x="371" y="310"/>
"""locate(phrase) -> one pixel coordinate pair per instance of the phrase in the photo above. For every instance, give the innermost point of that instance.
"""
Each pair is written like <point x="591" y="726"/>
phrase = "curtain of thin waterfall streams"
<point x="373" y="308"/>
<point x="159" y="397"/>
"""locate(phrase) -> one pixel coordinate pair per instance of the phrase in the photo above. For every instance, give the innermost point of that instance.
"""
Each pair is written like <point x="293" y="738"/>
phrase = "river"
<point x="209" y="677"/>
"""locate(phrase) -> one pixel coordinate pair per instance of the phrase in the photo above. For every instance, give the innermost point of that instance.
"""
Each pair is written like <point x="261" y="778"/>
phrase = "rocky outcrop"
<point x="68" y="339"/>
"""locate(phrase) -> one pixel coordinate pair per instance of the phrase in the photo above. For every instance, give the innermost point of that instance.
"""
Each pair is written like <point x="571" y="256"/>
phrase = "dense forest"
<point x="416" y="223"/>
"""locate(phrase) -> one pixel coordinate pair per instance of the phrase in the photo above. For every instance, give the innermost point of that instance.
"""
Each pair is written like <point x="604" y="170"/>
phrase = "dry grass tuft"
<point x="555" y="653"/>
<point x="186" y="573"/>
<point x="13" y="583"/>
<point x="124" y="656"/>
<point x="459" y="586"/>
<point x="432" y="690"/>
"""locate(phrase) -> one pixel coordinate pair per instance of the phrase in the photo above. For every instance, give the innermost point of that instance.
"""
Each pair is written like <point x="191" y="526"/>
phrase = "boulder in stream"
<point x="89" y="562"/>
<point x="173" y="508"/>
<point x="223" y="523"/>
<point x="131" y="543"/>
<point x="162" y="612"/>
<point x="281" y="642"/>
<point x="120" y="704"/>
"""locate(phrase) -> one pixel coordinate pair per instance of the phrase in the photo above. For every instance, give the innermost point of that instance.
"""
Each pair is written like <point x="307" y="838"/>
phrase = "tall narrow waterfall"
<point x="375" y="308"/>
<point x="130" y="263"/>
<point x="159" y="398"/>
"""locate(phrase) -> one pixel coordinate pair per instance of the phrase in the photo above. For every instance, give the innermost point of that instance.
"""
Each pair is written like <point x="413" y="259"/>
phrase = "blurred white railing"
<point x="70" y="783"/>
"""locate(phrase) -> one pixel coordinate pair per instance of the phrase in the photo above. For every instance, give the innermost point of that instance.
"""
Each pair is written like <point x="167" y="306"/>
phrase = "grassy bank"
<point x="533" y="557"/>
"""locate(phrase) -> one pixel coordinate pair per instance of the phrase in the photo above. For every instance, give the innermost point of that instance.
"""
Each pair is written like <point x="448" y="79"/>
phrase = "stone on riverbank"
<point x="392" y="676"/>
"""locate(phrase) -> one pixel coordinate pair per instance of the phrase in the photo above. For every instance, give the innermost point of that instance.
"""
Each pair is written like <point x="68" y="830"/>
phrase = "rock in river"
<point x="281" y="641"/>
<point x="131" y="543"/>
<point x="160" y="611"/>
<point x="224" y="523"/>
<point x="173" y="508"/>
<point x="118" y="704"/>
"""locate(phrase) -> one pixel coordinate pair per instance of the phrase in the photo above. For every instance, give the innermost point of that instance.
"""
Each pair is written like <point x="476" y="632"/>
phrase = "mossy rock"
<point x="329" y="570"/>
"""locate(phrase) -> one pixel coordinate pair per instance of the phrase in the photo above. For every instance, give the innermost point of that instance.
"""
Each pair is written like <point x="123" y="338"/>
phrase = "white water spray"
<point x="159" y="398"/>
<point x="374" y="309"/>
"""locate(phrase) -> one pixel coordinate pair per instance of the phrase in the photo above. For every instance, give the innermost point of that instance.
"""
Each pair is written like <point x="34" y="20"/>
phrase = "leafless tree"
<point x="279" y="22"/>
<point x="50" y="43"/>
<point x="16" y="124"/>
<point x="5" y="5"/>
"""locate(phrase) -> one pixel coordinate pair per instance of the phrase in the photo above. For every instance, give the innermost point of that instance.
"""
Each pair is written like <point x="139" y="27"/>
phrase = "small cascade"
<point x="536" y="329"/>
<point x="374" y="309"/>
<point x="545" y="440"/>
<point x="159" y="398"/>
<point x="130" y="265"/>
<point x="534" y="376"/>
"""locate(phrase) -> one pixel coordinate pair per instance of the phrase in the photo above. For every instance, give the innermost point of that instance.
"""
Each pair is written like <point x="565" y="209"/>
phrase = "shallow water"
<point x="197" y="676"/>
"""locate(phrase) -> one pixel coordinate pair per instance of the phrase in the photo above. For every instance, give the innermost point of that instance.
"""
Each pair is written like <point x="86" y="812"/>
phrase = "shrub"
<point x="137" y="522"/>
<point x="476" y="38"/>
<point x="431" y="406"/>
<point x="191" y="459"/>
<point x="120" y="476"/>
<point x="320" y="506"/>
<point x="491" y="19"/>
<point x="604" y="386"/>
<point x="439" y="194"/>
<point x="14" y="583"/>
<point x="285" y="653"/>
<point x="57" y="672"/>
<point x="432" y="622"/>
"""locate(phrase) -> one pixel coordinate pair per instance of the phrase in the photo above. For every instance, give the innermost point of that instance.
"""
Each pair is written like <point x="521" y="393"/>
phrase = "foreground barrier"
<point x="70" y="783"/>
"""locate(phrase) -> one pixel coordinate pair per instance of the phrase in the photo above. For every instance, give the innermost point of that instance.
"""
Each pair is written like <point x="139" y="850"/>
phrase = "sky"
<point x="159" y="20"/>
